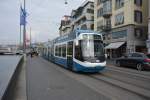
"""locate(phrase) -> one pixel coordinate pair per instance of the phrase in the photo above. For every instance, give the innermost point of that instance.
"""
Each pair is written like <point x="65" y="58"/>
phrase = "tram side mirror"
<point x="77" y="43"/>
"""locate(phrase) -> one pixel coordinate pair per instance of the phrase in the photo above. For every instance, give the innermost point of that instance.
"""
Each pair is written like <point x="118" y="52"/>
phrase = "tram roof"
<point x="72" y="35"/>
<point x="85" y="31"/>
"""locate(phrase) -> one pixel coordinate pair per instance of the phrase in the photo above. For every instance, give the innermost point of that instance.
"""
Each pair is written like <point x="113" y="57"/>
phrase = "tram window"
<point x="56" y="51"/>
<point x="97" y="37"/>
<point x="70" y="49"/>
<point x="52" y="51"/>
<point x="78" y="52"/>
<point x="59" y="51"/>
<point x="49" y="51"/>
<point x="64" y="51"/>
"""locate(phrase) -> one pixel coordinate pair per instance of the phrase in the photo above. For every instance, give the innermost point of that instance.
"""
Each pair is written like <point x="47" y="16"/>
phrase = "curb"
<point x="8" y="93"/>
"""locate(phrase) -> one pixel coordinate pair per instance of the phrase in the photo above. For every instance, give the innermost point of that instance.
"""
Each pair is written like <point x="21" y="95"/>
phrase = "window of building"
<point x="138" y="16"/>
<point x="99" y="25"/>
<point x="104" y="37"/>
<point x="138" y="32"/>
<point x="92" y="27"/>
<point x="84" y="27"/>
<point x="119" y="34"/>
<point x="92" y="18"/>
<point x="138" y="2"/>
<point x="100" y="12"/>
<point x="119" y="19"/>
<point x="90" y="11"/>
<point x="119" y="4"/>
<point x="92" y="5"/>
<point x="99" y="2"/>
<point x="107" y="22"/>
<point x="107" y="7"/>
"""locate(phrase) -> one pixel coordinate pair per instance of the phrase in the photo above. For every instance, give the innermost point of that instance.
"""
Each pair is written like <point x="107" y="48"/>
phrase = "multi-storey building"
<point x="65" y="26"/>
<point x="81" y="18"/>
<point x="124" y="25"/>
<point x="148" y="41"/>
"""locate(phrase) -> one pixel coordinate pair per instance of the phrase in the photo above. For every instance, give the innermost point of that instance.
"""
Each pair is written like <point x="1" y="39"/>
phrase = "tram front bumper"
<point x="80" y="68"/>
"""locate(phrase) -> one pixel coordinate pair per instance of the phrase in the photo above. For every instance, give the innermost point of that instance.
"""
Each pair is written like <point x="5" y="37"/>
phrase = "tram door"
<point x="70" y="54"/>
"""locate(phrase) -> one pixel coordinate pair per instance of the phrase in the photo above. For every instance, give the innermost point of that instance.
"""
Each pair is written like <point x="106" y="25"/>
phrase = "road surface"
<point x="48" y="81"/>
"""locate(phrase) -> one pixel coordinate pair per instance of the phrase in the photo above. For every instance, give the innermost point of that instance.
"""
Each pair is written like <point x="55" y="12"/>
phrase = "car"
<point x="148" y="55"/>
<point x="137" y="60"/>
<point x="19" y="52"/>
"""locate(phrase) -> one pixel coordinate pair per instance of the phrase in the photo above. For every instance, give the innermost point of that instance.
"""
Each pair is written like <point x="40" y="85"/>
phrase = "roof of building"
<point x="80" y="8"/>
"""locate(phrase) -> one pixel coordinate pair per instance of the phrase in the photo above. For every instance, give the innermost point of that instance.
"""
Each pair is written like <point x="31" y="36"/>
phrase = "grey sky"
<point x="44" y="18"/>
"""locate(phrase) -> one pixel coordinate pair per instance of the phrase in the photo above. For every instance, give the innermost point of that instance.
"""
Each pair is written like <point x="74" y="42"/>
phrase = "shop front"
<point x="115" y="50"/>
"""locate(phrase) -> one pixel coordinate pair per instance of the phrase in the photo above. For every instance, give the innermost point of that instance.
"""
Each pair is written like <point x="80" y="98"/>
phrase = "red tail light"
<point x="147" y="60"/>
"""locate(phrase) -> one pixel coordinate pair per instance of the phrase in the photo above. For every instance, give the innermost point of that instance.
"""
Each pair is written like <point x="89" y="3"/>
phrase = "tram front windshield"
<point x="90" y="49"/>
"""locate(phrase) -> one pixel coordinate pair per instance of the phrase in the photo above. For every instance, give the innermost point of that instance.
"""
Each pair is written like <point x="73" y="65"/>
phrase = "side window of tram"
<point x="56" y="51"/>
<point x="70" y="49"/>
<point x="59" y="52"/>
<point x="78" y="53"/>
<point x="63" y="50"/>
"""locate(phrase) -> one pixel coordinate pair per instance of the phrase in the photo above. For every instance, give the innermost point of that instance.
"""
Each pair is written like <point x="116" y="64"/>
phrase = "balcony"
<point x="104" y="0"/>
<point x="107" y="13"/>
<point x="106" y="28"/>
<point x="107" y="9"/>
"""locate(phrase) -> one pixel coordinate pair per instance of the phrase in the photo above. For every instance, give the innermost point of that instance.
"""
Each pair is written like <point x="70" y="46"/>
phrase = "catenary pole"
<point x="20" y="37"/>
<point x="24" y="29"/>
<point x="30" y="38"/>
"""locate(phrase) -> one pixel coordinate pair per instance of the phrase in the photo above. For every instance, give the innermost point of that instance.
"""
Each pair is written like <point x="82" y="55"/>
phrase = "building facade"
<point x="148" y="41"/>
<point x="124" y="25"/>
<point x="81" y="18"/>
<point x="65" y="26"/>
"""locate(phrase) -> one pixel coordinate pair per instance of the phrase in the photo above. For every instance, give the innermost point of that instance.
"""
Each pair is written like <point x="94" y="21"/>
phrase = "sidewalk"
<point x="19" y="91"/>
<point x="110" y="61"/>
<point x="20" y="88"/>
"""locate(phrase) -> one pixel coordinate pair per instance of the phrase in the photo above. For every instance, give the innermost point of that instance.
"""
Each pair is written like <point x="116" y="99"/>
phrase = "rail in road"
<point x="129" y="70"/>
<point x="9" y="66"/>
<point x="137" y="87"/>
<point x="116" y="83"/>
<point x="128" y="79"/>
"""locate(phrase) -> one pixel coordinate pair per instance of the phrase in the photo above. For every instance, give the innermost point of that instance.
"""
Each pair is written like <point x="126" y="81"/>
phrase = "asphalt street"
<point x="46" y="82"/>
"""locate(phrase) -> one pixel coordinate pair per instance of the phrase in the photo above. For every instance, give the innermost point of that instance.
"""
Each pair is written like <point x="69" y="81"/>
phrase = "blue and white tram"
<point x="80" y="51"/>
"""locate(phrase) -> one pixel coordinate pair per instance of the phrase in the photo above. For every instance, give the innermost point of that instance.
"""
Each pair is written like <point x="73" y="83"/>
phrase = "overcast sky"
<point x="43" y="17"/>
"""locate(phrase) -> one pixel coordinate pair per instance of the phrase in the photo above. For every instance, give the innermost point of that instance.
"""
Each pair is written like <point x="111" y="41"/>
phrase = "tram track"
<point x="130" y="70"/>
<point x="143" y="92"/>
<point x="108" y="79"/>
<point x="112" y="84"/>
<point x="132" y="81"/>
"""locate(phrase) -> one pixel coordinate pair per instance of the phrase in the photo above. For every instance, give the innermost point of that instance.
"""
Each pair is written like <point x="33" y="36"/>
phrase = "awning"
<point x="114" y="45"/>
